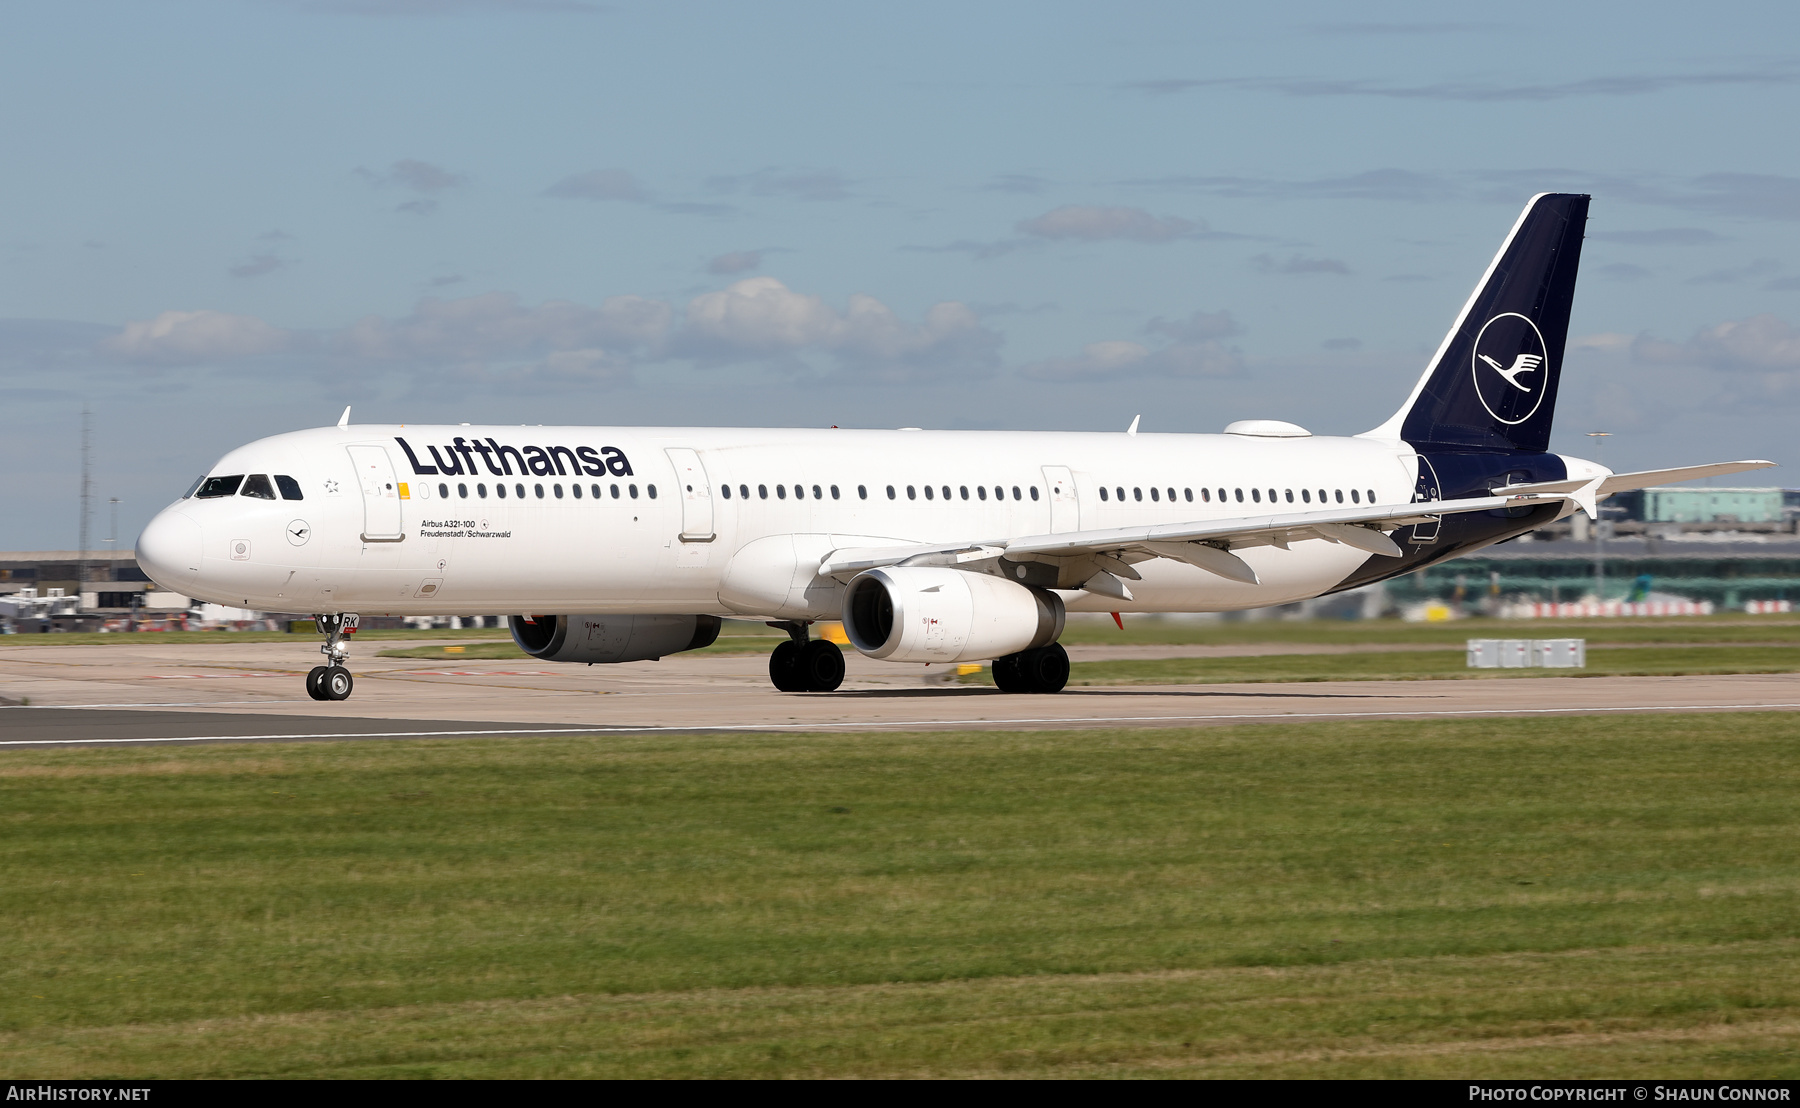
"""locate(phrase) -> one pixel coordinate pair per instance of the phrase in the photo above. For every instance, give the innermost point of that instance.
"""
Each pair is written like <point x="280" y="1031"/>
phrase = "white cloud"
<point x="415" y="175"/>
<point x="761" y="317"/>
<point x="202" y="336"/>
<point x="1095" y="224"/>
<point x="1759" y="344"/>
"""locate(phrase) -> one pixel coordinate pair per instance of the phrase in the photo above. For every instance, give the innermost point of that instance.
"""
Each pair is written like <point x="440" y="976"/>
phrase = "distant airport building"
<point x="1701" y="505"/>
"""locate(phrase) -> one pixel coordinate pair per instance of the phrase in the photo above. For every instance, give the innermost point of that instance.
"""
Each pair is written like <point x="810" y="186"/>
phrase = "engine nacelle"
<point x="932" y="614"/>
<point x="594" y="639"/>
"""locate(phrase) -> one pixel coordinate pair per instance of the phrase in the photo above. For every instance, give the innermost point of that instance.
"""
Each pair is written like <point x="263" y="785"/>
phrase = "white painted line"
<point x="866" y="726"/>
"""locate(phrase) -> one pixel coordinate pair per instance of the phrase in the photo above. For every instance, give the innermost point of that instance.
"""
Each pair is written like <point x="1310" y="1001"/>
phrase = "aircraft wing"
<point x="1206" y="544"/>
<point x="1643" y="479"/>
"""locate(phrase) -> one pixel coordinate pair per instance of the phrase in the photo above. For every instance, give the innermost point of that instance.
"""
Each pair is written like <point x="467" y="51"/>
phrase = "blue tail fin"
<point x="1492" y="384"/>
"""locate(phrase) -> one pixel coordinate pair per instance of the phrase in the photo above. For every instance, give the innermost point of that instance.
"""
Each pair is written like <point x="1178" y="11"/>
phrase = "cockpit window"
<point x="219" y="486"/>
<point x="259" y="486"/>
<point x="290" y="488"/>
<point x="195" y="487"/>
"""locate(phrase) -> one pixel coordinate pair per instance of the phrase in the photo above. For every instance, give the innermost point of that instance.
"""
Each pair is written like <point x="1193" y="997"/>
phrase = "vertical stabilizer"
<point x="1492" y="384"/>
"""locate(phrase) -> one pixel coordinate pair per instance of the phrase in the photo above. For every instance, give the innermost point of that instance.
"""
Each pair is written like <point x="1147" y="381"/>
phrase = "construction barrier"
<point x="1767" y="607"/>
<point x="1590" y="609"/>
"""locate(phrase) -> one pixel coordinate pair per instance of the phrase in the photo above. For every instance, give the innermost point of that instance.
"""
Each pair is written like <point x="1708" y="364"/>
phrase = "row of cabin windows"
<point x="799" y="492"/>
<point x="481" y="491"/>
<point x="1256" y="495"/>
<point x="257" y="485"/>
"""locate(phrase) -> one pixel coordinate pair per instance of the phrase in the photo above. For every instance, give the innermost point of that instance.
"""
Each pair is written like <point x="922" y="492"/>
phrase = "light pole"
<point x="1599" y="438"/>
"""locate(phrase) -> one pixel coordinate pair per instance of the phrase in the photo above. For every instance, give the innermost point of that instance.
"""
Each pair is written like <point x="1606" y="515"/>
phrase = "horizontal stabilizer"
<point x="1642" y="479"/>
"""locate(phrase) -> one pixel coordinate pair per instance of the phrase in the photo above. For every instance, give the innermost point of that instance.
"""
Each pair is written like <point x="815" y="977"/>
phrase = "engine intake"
<point x="933" y="614"/>
<point x="594" y="639"/>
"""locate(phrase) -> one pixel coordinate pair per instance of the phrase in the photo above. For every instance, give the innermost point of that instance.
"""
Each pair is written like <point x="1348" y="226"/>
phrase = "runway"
<point x="136" y="693"/>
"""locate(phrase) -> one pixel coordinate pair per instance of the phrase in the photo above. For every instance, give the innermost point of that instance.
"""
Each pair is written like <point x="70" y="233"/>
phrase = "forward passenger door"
<point x="1065" y="509"/>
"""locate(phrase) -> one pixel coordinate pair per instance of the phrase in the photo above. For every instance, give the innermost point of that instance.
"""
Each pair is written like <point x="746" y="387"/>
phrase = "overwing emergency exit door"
<point x="696" y="495"/>
<point x="381" y="493"/>
<point x="1065" y="510"/>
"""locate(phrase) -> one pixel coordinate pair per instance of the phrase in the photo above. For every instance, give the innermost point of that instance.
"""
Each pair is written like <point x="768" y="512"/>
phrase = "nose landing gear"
<point x="802" y="666"/>
<point x="333" y="681"/>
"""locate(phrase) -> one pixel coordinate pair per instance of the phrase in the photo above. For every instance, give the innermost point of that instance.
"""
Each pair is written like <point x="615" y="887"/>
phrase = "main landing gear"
<point x="333" y="682"/>
<point x="1043" y="670"/>
<point x="799" y="665"/>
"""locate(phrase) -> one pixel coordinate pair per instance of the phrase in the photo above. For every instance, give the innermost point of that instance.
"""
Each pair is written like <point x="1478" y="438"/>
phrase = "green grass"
<point x="1731" y="627"/>
<point x="1421" y="665"/>
<point x="1547" y="897"/>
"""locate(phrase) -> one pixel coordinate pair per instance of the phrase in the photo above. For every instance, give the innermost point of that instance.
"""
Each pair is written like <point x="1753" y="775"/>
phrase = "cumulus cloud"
<point x="761" y="317"/>
<point x="598" y="184"/>
<point x="1760" y="344"/>
<point x="737" y="261"/>
<point x="202" y="336"/>
<point x="1194" y="352"/>
<point x="1297" y="266"/>
<point x="1096" y="224"/>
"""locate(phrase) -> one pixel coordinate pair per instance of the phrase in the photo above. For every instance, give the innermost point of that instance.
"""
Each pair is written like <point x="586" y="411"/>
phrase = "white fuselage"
<point x="655" y="529"/>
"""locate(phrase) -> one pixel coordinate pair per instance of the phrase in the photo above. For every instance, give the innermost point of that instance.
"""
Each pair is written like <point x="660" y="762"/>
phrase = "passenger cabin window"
<point x="1034" y="495"/>
<point x="1120" y="493"/>
<point x="1306" y="496"/>
<point x="1240" y="495"/>
<point x="575" y="489"/>
<point x="1137" y="493"/>
<point x="1206" y="495"/>
<point x="557" y="489"/>
<point x="1371" y="495"/>
<point x="290" y="488"/>
<point x="890" y="489"/>
<point x="214" y="487"/>
<point x="799" y="492"/>
<point x="834" y="492"/>
<point x="481" y="490"/>
<point x="1355" y="497"/>
<point x="651" y="490"/>
<point x="520" y="489"/>
<point x="1016" y="493"/>
<point x="928" y="492"/>
<point x="1154" y="495"/>
<point x="911" y="493"/>
<point x="1189" y="493"/>
<point x="816" y="495"/>
<point x="631" y="490"/>
<point x="462" y="490"/>
<point x="1290" y="496"/>
<point x="981" y="492"/>
<point x="762" y="492"/>
<point x="259" y="486"/>
<point x="726" y="490"/>
<point x="1102" y="492"/>
<point x="1340" y="496"/>
<point x="963" y="491"/>
<point x="540" y="491"/>
<point x="1256" y="495"/>
<point x="862" y="492"/>
<point x="500" y="491"/>
<point x="743" y="492"/>
<point x="781" y="492"/>
<point x="615" y="492"/>
<point x="595" y="490"/>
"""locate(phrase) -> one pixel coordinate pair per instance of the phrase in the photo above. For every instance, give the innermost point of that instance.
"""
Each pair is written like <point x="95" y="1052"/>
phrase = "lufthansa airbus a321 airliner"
<point x="621" y="544"/>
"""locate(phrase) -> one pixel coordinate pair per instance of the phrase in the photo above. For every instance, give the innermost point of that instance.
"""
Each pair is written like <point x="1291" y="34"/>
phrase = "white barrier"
<point x="1527" y="653"/>
<point x="1589" y="609"/>
<point x="1767" y="607"/>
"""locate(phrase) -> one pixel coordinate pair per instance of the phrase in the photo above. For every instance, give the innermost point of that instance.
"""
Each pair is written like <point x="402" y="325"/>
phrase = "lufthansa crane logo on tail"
<point x="1511" y="368"/>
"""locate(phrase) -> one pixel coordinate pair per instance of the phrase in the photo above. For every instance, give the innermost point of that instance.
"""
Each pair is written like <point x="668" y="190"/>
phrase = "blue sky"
<point x="225" y="220"/>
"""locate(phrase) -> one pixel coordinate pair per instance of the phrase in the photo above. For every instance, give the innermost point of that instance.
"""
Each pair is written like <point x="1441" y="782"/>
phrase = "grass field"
<point x="1547" y="897"/>
<point x="1424" y="665"/>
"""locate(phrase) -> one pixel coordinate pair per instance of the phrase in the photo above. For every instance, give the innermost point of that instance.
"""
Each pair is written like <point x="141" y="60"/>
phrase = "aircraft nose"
<point x="169" y="550"/>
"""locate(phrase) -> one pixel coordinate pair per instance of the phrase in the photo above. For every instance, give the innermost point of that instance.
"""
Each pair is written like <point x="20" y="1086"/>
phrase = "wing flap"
<point x="1642" y="479"/>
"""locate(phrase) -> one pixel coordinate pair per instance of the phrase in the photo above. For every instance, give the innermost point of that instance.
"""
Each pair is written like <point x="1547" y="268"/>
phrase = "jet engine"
<point x="594" y="639"/>
<point x="933" y="614"/>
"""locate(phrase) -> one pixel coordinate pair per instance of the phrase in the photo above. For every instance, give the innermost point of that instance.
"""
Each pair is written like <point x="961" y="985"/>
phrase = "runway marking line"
<point x="867" y="726"/>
